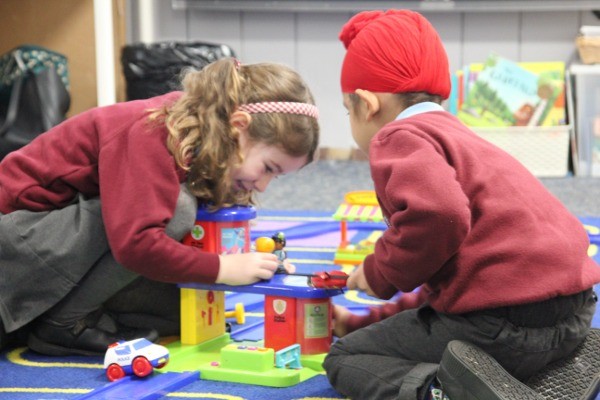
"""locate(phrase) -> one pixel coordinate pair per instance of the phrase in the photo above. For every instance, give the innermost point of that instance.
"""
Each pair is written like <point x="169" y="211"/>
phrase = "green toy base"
<point x="222" y="359"/>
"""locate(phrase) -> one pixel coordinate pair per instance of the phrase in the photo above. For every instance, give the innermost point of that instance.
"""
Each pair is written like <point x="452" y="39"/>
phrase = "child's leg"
<point x="107" y="278"/>
<point x="393" y="359"/>
<point x="43" y="255"/>
<point x="54" y="334"/>
<point x="386" y="360"/>
<point x="146" y="303"/>
<point x="533" y="336"/>
<point x="76" y="325"/>
<point x="103" y="280"/>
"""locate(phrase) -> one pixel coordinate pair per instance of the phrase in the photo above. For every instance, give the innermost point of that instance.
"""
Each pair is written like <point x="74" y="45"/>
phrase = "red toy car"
<point x="331" y="279"/>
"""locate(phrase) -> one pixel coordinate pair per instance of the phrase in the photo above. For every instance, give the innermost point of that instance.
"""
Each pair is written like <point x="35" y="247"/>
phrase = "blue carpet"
<point x="312" y="239"/>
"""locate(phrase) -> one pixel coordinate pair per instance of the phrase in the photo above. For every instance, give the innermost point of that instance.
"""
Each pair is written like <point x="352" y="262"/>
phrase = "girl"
<point x="107" y="195"/>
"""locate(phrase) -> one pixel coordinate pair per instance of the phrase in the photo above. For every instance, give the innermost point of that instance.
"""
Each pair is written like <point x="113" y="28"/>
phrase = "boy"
<point x="502" y="265"/>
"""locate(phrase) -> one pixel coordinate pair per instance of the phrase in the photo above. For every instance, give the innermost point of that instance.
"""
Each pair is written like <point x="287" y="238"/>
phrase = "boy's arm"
<point x="404" y="302"/>
<point x="426" y="208"/>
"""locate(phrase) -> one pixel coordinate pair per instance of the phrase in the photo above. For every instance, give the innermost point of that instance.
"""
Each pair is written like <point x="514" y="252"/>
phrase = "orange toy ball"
<point x="265" y="244"/>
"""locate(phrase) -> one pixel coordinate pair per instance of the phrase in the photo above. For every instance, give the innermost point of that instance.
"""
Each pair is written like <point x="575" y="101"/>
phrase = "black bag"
<point x="154" y="69"/>
<point x="34" y="95"/>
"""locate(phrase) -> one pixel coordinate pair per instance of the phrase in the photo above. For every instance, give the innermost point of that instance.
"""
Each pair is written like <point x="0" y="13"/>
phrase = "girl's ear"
<point x="371" y="101"/>
<point x="240" y="119"/>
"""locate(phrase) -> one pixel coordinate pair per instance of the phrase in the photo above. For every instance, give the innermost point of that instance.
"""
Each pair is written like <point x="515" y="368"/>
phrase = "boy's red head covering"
<point x="393" y="52"/>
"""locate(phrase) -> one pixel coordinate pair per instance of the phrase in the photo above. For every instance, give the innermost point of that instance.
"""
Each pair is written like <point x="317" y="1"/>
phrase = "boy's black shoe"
<point x="468" y="373"/>
<point x="576" y="377"/>
<point x="16" y="338"/>
<point x="85" y="338"/>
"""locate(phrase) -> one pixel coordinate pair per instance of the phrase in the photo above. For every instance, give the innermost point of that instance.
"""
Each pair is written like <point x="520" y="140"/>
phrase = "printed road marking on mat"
<point x="84" y="391"/>
<point x="16" y="357"/>
<point x="44" y="390"/>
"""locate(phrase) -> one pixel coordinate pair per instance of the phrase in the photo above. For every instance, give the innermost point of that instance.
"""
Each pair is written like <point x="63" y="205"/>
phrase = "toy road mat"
<point x="312" y="239"/>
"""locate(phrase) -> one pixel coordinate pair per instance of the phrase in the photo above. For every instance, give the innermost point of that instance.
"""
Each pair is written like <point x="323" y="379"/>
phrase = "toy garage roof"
<point x="357" y="212"/>
<point x="359" y="206"/>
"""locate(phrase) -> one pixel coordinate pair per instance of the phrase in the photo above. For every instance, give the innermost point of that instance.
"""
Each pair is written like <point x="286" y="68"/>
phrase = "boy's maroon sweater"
<point x="468" y="222"/>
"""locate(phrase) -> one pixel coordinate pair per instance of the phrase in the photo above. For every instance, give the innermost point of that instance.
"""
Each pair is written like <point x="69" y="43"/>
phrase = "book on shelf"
<point x="551" y="89"/>
<point x="501" y="92"/>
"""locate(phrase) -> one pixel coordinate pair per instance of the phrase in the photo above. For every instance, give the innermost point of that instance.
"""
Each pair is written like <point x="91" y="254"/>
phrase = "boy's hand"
<point x="340" y="319"/>
<point x="246" y="268"/>
<point x="358" y="281"/>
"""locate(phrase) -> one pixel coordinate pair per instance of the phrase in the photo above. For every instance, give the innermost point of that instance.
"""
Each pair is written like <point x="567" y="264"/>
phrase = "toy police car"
<point x="138" y="357"/>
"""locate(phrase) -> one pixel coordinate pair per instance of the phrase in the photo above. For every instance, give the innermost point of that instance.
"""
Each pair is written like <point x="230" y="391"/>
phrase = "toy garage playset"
<point x="297" y="323"/>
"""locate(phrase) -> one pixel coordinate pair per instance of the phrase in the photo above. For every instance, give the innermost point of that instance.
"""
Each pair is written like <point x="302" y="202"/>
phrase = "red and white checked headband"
<point x="286" y="107"/>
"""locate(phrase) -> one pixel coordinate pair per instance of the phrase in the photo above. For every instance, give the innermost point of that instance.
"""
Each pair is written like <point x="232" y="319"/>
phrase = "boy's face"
<point x="362" y="129"/>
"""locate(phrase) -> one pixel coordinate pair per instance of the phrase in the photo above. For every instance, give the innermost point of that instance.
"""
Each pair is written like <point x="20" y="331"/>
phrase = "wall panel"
<point x="170" y="25"/>
<point x="450" y="29"/>
<point x="320" y="56"/>
<point x="486" y="32"/>
<point x="215" y="26"/>
<point x="548" y="36"/>
<point x="264" y="38"/>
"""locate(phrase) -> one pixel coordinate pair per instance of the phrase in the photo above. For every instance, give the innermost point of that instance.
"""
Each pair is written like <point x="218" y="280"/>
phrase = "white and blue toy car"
<point x="138" y="357"/>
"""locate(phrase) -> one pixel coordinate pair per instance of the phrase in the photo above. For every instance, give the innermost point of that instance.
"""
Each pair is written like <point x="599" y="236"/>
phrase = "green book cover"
<point x="504" y="94"/>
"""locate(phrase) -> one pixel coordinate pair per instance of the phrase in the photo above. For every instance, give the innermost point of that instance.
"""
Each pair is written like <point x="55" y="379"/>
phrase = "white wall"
<point x="307" y="41"/>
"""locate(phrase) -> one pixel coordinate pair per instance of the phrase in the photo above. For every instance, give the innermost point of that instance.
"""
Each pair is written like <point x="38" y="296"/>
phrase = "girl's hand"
<point x="290" y="268"/>
<point x="357" y="280"/>
<point x="246" y="268"/>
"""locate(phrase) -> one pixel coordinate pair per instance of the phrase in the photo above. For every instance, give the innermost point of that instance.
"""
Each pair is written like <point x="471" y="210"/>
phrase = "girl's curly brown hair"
<point x="203" y="141"/>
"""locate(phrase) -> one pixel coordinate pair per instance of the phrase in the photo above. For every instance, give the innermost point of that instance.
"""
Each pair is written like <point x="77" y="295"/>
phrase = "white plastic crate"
<point x="542" y="150"/>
